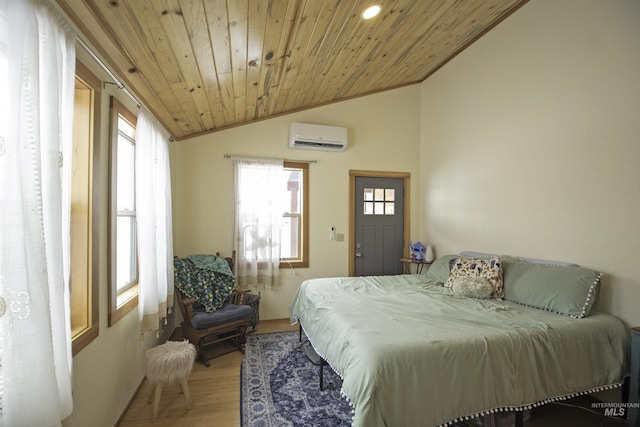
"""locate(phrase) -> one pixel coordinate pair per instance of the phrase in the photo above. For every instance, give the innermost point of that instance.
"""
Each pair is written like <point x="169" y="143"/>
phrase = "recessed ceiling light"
<point x="371" y="11"/>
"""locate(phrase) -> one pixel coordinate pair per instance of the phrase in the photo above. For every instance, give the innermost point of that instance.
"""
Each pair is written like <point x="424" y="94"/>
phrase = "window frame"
<point x="130" y="294"/>
<point x="303" y="260"/>
<point x="84" y="302"/>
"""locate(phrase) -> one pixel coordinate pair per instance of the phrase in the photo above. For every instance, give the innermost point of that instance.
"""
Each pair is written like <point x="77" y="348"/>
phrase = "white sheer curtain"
<point x="259" y="188"/>
<point x="153" y="207"/>
<point x="37" y="71"/>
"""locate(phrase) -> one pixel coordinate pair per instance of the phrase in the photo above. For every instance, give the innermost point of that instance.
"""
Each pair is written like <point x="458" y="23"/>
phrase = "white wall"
<point x="530" y="141"/>
<point x="383" y="136"/>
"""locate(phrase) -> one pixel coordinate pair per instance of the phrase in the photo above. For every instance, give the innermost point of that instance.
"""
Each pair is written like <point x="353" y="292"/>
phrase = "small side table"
<point x="406" y="265"/>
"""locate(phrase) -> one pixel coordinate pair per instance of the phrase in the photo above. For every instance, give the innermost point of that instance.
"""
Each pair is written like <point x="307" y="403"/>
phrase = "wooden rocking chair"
<point x="227" y="324"/>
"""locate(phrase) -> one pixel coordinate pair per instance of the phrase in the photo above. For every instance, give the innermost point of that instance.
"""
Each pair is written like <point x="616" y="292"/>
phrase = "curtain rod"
<point x="228" y="156"/>
<point x="108" y="71"/>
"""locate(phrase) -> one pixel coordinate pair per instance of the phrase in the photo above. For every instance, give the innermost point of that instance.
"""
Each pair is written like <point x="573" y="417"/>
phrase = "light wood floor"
<point x="215" y="395"/>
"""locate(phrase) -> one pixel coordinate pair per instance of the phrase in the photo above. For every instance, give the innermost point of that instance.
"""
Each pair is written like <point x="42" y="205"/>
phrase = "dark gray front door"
<point x="379" y="225"/>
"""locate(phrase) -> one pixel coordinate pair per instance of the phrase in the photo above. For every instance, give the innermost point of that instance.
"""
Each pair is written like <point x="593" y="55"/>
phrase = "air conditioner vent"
<point x="317" y="137"/>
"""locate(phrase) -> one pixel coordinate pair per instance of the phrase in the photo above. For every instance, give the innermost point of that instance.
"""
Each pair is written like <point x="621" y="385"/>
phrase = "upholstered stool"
<point x="168" y="363"/>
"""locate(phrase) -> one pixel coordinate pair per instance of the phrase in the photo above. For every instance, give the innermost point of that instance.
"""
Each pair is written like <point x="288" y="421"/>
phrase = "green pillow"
<point x="569" y="290"/>
<point x="439" y="269"/>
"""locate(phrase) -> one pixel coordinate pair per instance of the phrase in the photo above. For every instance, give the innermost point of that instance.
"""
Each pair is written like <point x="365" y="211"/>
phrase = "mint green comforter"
<point x="412" y="354"/>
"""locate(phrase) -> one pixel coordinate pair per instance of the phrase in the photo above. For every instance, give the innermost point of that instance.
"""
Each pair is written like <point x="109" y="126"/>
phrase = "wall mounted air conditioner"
<point x="317" y="137"/>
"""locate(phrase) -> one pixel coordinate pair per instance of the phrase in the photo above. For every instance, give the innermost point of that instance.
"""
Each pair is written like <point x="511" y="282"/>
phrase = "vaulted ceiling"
<point x="204" y="65"/>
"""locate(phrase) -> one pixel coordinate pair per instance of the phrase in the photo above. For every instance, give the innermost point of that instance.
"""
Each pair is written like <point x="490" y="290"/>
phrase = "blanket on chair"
<point x="205" y="278"/>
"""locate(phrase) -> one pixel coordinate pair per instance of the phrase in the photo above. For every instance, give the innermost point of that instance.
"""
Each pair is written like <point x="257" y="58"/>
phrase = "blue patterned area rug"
<point x="280" y="386"/>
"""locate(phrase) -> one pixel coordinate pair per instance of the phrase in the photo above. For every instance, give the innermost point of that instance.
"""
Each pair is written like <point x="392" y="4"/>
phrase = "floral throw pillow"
<point x="489" y="268"/>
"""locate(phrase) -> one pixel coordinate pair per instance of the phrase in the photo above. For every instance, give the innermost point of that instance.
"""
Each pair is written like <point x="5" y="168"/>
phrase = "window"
<point x="271" y="218"/>
<point x="294" y="240"/>
<point x="84" y="210"/>
<point x="123" y="261"/>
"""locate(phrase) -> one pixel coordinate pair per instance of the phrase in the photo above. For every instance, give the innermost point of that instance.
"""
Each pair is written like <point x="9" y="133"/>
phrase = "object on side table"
<point x="428" y="254"/>
<point x="416" y="251"/>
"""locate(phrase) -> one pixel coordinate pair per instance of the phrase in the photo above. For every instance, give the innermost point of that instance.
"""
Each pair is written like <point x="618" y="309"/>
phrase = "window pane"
<point x="379" y="194"/>
<point x="126" y="258"/>
<point x="368" y="194"/>
<point x="125" y="128"/>
<point x="389" y="194"/>
<point x="290" y="240"/>
<point x="126" y="175"/>
<point x="85" y="218"/>
<point x="291" y="231"/>
<point x="81" y="193"/>
<point x="258" y="241"/>
<point x="389" y="208"/>
<point x="379" y="208"/>
<point x="294" y="194"/>
<point x="368" y="208"/>
<point x="123" y="268"/>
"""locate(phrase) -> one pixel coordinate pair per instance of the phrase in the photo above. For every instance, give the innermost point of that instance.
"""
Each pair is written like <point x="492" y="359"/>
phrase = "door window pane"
<point x="368" y="194"/>
<point x="368" y="208"/>
<point x="379" y="208"/>
<point x="389" y="194"/>
<point x="389" y="208"/>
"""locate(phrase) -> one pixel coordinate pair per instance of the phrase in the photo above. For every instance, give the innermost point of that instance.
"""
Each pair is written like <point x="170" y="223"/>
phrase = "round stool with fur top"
<point x="168" y="363"/>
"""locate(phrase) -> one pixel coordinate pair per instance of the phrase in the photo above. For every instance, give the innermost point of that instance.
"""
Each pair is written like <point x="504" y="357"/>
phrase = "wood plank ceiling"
<point x="205" y="65"/>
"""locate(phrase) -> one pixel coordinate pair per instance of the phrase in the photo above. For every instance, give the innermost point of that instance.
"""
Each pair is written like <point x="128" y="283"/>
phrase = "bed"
<point x="414" y="352"/>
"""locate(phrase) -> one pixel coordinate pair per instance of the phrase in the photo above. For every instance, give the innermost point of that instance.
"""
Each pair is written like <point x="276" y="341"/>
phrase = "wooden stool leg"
<point x="185" y="390"/>
<point x="153" y="389"/>
<point x="156" y="402"/>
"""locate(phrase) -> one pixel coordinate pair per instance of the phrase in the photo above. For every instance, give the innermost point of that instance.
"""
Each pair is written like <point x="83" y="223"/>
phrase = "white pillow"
<point x="472" y="287"/>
